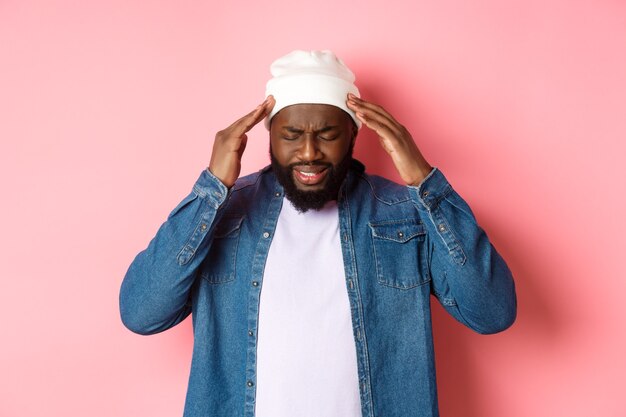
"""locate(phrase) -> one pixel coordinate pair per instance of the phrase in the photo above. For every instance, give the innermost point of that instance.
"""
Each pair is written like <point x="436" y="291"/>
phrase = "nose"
<point x="309" y="150"/>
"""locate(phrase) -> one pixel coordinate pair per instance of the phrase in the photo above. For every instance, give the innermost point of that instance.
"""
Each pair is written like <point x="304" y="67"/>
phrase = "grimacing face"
<point x="311" y="147"/>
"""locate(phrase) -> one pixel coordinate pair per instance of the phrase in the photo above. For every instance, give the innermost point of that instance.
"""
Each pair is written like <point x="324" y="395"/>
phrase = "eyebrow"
<point x="292" y="129"/>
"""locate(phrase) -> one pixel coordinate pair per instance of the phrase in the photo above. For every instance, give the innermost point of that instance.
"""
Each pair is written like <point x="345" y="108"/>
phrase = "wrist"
<point x="421" y="174"/>
<point x="221" y="179"/>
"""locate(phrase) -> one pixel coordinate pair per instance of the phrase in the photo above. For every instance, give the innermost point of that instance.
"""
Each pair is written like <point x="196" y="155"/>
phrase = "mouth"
<point x="310" y="175"/>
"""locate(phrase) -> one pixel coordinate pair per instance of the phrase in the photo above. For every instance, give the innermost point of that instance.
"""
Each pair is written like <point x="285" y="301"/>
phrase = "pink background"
<point x="107" y="114"/>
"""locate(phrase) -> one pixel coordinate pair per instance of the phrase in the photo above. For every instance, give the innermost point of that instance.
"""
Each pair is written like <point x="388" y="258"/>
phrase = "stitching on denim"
<point x="421" y="231"/>
<point x="408" y="220"/>
<point x="199" y="192"/>
<point x="456" y="248"/>
<point x="189" y="239"/>
<point x="234" y="255"/>
<point x="205" y="197"/>
<point x="379" y="269"/>
<point x="417" y="284"/>
<point x="215" y="279"/>
<point x="447" y="190"/>
<point x="359" y="307"/>
<point x="444" y="300"/>
<point x="248" y="182"/>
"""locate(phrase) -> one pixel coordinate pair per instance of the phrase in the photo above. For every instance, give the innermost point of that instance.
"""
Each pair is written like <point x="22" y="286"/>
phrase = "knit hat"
<point x="310" y="77"/>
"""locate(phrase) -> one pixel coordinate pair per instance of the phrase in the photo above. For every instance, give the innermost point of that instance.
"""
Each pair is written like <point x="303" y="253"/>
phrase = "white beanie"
<point x="310" y="77"/>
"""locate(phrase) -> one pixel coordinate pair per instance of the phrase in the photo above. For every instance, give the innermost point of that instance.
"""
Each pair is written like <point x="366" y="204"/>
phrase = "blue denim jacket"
<point x="400" y="244"/>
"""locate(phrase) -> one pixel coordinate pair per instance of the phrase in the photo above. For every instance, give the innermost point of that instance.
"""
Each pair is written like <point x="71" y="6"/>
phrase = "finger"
<point x="382" y="129"/>
<point x="380" y="121"/>
<point x="251" y="119"/>
<point x="247" y="122"/>
<point x="362" y="105"/>
<point x="375" y="112"/>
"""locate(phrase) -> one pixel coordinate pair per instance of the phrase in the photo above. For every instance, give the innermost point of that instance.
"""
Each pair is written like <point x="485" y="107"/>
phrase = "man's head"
<point x="311" y="149"/>
<point x="312" y="131"/>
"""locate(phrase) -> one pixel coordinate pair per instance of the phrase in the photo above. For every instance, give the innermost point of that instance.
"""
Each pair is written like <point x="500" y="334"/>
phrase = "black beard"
<point x="304" y="201"/>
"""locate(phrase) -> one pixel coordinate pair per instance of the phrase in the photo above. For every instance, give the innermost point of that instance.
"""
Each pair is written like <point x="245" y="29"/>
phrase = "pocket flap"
<point x="400" y="231"/>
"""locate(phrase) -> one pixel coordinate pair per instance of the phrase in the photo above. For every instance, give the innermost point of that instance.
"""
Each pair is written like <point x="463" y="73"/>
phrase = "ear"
<point x="355" y="131"/>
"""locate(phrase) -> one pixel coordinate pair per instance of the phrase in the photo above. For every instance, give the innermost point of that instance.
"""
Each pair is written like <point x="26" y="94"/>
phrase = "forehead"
<point x="310" y="115"/>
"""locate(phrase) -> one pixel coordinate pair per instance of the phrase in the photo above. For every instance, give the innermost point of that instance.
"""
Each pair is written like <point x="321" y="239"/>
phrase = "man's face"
<point x="311" y="148"/>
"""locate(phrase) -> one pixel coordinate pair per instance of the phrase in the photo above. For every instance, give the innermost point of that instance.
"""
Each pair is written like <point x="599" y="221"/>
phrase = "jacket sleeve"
<point x="469" y="277"/>
<point x="155" y="293"/>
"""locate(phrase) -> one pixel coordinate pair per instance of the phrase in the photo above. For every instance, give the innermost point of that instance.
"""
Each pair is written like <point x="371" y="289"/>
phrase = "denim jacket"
<point x="400" y="244"/>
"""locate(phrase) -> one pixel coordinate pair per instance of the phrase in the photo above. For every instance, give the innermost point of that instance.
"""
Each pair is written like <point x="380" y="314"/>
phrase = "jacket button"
<point x="425" y="193"/>
<point x="250" y="333"/>
<point x="250" y="383"/>
<point x="255" y="283"/>
<point x="442" y="228"/>
<point x="266" y="235"/>
<point x="400" y="234"/>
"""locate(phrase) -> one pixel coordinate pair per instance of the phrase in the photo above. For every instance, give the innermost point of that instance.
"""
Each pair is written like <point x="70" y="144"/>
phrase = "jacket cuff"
<point x="210" y="188"/>
<point x="434" y="188"/>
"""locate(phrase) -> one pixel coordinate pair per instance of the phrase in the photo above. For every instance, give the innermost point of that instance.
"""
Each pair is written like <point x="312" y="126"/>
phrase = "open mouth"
<point x="310" y="174"/>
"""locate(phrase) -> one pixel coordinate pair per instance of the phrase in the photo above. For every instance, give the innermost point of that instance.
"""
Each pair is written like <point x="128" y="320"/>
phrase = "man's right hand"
<point x="231" y="142"/>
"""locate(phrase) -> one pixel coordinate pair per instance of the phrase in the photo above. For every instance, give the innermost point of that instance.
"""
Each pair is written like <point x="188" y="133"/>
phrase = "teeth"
<point x="307" y="174"/>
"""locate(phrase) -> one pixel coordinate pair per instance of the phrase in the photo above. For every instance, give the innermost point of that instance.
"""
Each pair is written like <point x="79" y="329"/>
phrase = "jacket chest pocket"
<point x="221" y="262"/>
<point x="400" y="253"/>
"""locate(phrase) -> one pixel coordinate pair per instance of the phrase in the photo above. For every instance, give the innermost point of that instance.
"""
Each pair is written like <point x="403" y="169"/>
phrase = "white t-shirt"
<point x="306" y="356"/>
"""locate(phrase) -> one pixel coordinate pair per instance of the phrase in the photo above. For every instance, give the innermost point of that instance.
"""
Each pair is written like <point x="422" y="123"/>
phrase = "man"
<point x="310" y="281"/>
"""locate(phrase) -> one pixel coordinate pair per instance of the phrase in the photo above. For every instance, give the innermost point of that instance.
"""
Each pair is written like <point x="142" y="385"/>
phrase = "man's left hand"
<point x="394" y="138"/>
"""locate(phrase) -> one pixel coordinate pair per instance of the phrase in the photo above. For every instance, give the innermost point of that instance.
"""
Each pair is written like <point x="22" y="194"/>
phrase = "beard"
<point x="304" y="201"/>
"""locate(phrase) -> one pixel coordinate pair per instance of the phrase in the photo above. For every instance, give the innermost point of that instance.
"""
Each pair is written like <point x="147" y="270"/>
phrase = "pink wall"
<point x="107" y="113"/>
